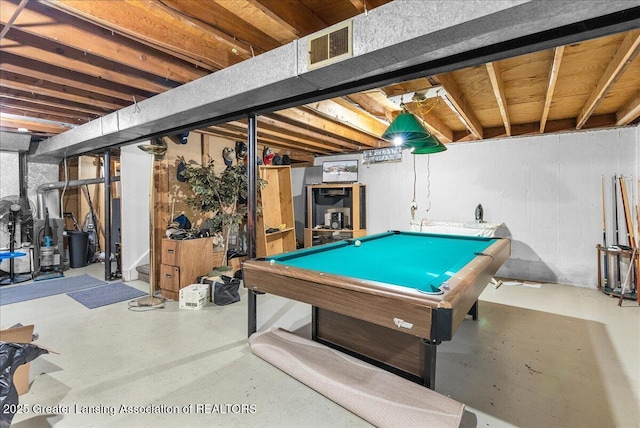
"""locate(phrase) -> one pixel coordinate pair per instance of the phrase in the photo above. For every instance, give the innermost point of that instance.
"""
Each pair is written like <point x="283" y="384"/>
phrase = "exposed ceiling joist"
<point x="70" y="62"/>
<point x="629" y="112"/>
<point x="460" y="105"/>
<point x="54" y="25"/>
<point x="625" y="54"/>
<point x="498" y="90"/>
<point x="551" y="85"/>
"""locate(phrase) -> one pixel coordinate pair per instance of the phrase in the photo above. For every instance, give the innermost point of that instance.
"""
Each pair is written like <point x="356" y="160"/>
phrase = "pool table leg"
<point x="430" y="349"/>
<point x="252" y="315"/>
<point x="474" y="311"/>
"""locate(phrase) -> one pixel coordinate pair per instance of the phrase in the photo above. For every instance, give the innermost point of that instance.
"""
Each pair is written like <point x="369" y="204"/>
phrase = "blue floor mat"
<point x="23" y="292"/>
<point x="106" y="295"/>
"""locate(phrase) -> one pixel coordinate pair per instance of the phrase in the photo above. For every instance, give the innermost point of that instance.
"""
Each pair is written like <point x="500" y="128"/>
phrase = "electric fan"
<point x="16" y="230"/>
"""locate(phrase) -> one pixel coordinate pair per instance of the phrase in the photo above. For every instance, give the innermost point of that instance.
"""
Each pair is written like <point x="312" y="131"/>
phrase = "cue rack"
<point x="620" y="247"/>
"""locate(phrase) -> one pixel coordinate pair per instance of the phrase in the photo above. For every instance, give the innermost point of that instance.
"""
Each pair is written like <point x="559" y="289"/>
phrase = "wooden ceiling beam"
<point x="32" y="125"/>
<point x="551" y="85"/>
<point x="460" y="105"/>
<point x="208" y="11"/>
<point x="19" y="108"/>
<point x="235" y="133"/>
<point x="293" y="15"/>
<point x="625" y="54"/>
<point x="497" y="84"/>
<point x="23" y="83"/>
<point x="267" y="135"/>
<point x="322" y="140"/>
<point x="360" y="5"/>
<point x="152" y="24"/>
<point x="54" y="54"/>
<point x="342" y="111"/>
<point x="552" y="126"/>
<point x="375" y="102"/>
<point x="44" y="100"/>
<point x="433" y="123"/>
<point x="39" y="71"/>
<point x="420" y="85"/>
<point x="629" y="112"/>
<point x="16" y="12"/>
<point x="46" y="22"/>
<point x="306" y="118"/>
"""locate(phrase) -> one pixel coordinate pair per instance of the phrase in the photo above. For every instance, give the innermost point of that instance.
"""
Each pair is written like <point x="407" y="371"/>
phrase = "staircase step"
<point x="143" y="272"/>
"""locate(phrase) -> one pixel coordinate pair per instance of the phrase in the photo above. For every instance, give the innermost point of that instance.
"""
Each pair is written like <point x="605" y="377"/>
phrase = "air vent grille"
<point x="330" y="45"/>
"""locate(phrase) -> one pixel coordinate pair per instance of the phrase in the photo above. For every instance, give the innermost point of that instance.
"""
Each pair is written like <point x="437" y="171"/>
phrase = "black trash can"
<point x="78" y="248"/>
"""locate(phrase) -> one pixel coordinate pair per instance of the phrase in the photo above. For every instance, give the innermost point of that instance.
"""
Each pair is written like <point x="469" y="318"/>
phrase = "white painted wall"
<point x="134" y="178"/>
<point x="546" y="190"/>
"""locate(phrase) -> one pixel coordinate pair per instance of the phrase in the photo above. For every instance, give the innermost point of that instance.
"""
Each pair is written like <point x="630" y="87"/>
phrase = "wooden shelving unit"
<point x="323" y="199"/>
<point x="276" y="202"/>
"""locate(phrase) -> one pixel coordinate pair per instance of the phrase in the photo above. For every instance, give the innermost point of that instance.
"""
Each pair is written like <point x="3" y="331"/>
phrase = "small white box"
<point x="194" y="296"/>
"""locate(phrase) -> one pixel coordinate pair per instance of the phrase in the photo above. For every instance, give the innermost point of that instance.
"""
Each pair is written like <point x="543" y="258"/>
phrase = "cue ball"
<point x="273" y="262"/>
<point x="357" y="243"/>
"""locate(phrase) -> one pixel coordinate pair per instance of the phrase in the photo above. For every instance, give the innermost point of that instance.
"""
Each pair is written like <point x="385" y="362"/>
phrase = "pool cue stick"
<point x="627" y="214"/>
<point x="604" y="237"/>
<point x="617" y="235"/>
<point x="626" y="280"/>
<point x="628" y="220"/>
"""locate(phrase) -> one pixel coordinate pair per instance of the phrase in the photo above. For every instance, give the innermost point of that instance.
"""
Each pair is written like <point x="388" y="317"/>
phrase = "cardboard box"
<point x="194" y="296"/>
<point x="23" y="334"/>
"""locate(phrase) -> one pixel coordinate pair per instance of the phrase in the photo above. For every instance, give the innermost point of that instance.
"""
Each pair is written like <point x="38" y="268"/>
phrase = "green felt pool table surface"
<point x="421" y="261"/>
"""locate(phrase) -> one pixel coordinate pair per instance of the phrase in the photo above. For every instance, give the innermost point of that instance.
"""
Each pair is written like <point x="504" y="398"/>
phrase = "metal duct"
<point x="44" y="188"/>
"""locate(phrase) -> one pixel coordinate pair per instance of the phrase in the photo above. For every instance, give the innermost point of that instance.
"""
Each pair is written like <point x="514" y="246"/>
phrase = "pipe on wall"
<point x="47" y="187"/>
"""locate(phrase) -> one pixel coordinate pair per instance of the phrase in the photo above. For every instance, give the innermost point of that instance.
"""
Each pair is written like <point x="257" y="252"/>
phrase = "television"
<point x="344" y="171"/>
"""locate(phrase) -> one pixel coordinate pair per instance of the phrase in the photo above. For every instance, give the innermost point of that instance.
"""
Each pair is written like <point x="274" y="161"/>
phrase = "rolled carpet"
<point x="377" y="396"/>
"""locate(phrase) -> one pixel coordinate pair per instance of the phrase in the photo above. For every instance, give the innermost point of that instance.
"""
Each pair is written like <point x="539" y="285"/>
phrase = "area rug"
<point x="377" y="396"/>
<point x="106" y="295"/>
<point x="36" y="290"/>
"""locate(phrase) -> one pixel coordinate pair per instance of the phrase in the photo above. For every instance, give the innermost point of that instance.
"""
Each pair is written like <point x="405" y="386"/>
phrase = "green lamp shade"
<point x="429" y="150"/>
<point x="405" y="130"/>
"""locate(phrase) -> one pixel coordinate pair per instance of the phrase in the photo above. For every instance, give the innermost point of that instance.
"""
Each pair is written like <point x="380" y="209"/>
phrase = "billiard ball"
<point x="273" y="262"/>
<point x="357" y="243"/>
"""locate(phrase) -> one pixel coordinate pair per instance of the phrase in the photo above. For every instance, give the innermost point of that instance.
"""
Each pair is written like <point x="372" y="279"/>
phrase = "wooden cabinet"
<point x="183" y="261"/>
<point x="334" y="212"/>
<point x="275" y="229"/>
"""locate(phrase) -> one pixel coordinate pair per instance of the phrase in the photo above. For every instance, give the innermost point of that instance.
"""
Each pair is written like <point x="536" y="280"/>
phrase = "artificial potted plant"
<point x="220" y="196"/>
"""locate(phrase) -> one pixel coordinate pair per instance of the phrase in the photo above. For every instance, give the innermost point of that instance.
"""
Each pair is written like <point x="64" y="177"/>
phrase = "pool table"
<point x="388" y="298"/>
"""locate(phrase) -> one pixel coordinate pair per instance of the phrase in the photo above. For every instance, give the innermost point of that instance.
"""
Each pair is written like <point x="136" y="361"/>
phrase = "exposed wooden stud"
<point x="551" y="85"/>
<point x="625" y="54"/>
<point x="498" y="90"/>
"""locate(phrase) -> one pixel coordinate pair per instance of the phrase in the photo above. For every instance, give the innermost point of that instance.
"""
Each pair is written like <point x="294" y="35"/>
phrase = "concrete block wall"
<point x="546" y="190"/>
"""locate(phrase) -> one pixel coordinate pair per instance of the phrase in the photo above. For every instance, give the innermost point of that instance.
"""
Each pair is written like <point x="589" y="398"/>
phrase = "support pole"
<point x="107" y="215"/>
<point x="252" y="201"/>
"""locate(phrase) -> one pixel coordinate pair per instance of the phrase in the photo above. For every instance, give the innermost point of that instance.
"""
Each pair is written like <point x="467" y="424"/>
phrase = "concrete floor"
<point x="556" y="356"/>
